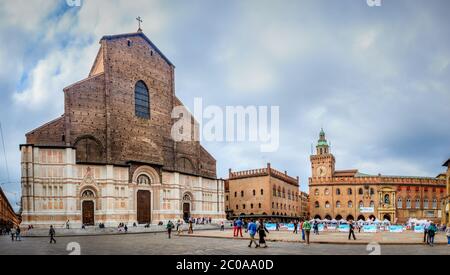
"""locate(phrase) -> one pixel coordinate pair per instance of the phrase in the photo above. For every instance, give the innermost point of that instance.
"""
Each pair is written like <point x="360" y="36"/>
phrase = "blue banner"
<point x="370" y="229"/>
<point x="419" y="229"/>
<point x="396" y="228"/>
<point x="344" y="228"/>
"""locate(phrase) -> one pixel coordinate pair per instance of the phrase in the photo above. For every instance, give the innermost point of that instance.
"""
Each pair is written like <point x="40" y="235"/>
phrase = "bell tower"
<point x="323" y="162"/>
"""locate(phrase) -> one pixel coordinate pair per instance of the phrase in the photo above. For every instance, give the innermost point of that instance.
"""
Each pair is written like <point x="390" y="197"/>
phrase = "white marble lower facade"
<point x="55" y="189"/>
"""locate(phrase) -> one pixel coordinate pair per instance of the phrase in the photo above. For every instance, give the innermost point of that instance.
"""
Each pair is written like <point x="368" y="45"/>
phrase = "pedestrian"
<point x="447" y="232"/>
<point x="170" y="226"/>
<point x="252" y="232"/>
<point x="316" y="228"/>
<point x="425" y="233"/>
<point x="262" y="230"/>
<point x="307" y="228"/>
<point x="180" y="227"/>
<point x="295" y="227"/>
<point x="126" y="228"/>
<point x="278" y="226"/>
<point x="52" y="234"/>
<point x="191" y="228"/>
<point x="432" y="229"/>
<point x="239" y="225"/>
<point x="351" y="231"/>
<point x="303" y="230"/>
<point x="18" y="237"/>
<point x="13" y="234"/>
<point x="234" y="228"/>
<point x="68" y="224"/>
<point x="222" y="226"/>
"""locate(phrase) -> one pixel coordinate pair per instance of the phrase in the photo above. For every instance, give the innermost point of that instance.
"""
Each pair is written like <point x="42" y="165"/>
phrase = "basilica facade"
<point x="111" y="158"/>
<point x="352" y="195"/>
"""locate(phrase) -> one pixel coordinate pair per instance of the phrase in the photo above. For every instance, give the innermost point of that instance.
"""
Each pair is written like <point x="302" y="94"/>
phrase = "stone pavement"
<point x="94" y="231"/>
<point x="404" y="238"/>
<point x="159" y="244"/>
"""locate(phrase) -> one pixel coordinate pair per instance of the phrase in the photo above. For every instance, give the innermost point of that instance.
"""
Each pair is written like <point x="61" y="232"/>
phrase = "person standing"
<point x="68" y="224"/>
<point x="432" y="229"/>
<point x="170" y="226"/>
<point x="307" y="228"/>
<point x="52" y="234"/>
<point x="252" y="232"/>
<point x="180" y="228"/>
<point x="425" y="232"/>
<point x="239" y="228"/>
<point x="303" y="230"/>
<point x="222" y="226"/>
<point x="18" y="237"/>
<point x="13" y="234"/>
<point x="262" y="230"/>
<point x="235" y="228"/>
<point x="295" y="227"/>
<point x="351" y="231"/>
<point x="191" y="228"/>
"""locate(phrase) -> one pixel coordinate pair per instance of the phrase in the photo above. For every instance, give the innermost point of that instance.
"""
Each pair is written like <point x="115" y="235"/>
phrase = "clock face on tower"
<point x="322" y="171"/>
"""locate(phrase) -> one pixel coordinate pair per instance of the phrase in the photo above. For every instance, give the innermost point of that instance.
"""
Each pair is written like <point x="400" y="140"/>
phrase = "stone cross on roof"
<point x="139" y="19"/>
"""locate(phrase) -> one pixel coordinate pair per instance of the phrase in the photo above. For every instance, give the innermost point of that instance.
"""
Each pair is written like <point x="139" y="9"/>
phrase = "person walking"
<point x="52" y="234"/>
<point x="239" y="228"/>
<point x="307" y="228"/>
<point x="295" y="227"/>
<point x="432" y="229"/>
<point x="180" y="228"/>
<point x="316" y="228"/>
<point x="235" y="228"/>
<point x="252" y="232"/>
<point x="68" y="224"/>
<point x="222" y="226"/>
<point x="303" y="230"/>
<point x="262" y="230"/>
<point x="170" y="226"/>
<point x="351" y="231"/>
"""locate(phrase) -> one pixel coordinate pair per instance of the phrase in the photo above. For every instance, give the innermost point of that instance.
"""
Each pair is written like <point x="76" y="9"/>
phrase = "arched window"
<point x="372" y="204"/>
<point x="274" y="191"/>
<point x="316" y="204"/>
<point x="399" y="203"/>
<point x="254" y="193"/>
<point x="88" y="149"/>
<point x="360" y="191"/>
<point x="426" y="204"/>
<point x="279" y="192"/>
<point x="417" y="203"/>
<point x="242" y="193"/>
<point x="327" y="204"/>
<point x="235" y="194"/>
<point x="349" y="191"/>
<point x="338" y="191"/>
<point x="387" y="199"/>
<point x="262" y="192"/>
<point x="143" y="180"/>
<point x="434" y="203"/>
<point x="327" y="192"/>
<point x="284" y="193"/>
<point x="350" y="204"/>
<point x="142" y="100"/>
<point x="372" y="191"/>
<point x="361" y="204"/>
<point x="316" y="192"/>
<point x="338" y="204"/>
<point x="408" y="203"/>
<point x="289" y="194"/>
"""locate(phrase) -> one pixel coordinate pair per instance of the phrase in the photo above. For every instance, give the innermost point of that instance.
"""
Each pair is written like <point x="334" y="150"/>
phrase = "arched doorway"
<point x="88" y="213"/>
<point x="338" y="217"/>
<point x="387" y="217"/>
<point x="372" y="217"/>
<point x="187" y="199"/>
<point x="328" y="217"/>
<point x="350" y="218"/>
<point x="317" y="217"/>
<point x="144" y="207"/>
<point x="88" y="208"/>
<point x="361" y="217"/>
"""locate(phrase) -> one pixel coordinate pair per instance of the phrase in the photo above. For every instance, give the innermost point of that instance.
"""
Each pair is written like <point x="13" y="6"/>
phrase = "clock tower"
<point x="323" y="162"/>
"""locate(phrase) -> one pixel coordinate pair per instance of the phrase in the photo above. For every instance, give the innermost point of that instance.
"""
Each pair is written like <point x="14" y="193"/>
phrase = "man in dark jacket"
<point x="352" y="231"/>
<point x="52" y="234"/>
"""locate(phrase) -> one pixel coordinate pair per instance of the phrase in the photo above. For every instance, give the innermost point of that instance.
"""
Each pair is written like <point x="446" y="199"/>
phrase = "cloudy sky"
<point x="376" y="78"/>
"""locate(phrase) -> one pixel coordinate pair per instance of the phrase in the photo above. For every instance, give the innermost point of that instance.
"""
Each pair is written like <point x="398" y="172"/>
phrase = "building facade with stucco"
<point x="351" y="195"/>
